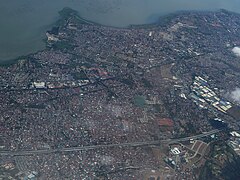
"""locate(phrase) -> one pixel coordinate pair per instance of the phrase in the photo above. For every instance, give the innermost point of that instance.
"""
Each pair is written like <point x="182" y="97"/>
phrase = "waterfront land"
<point x="124" y="103"/>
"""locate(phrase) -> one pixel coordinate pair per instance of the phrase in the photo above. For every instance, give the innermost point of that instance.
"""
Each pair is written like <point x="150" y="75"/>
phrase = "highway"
<point x="85" y="148"/>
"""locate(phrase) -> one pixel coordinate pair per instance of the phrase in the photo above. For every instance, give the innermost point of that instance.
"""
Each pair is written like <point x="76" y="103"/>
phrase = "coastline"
<point x="67" y="12"/>
<point x="64" y="14"/>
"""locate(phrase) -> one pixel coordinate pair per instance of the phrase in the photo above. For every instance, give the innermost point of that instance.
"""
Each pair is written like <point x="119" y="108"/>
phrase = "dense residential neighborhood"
<point x="143" y="102"/>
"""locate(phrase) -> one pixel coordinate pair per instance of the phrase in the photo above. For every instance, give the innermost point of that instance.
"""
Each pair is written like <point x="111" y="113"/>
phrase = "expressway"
<point x="85" y="148"/>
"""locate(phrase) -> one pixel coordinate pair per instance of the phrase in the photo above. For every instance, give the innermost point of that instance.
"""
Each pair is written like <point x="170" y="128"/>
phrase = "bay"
<point x="23" y="22"/>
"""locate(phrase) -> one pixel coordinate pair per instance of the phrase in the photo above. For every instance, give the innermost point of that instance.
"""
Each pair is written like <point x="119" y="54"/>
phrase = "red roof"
<point x="166" y="122"/>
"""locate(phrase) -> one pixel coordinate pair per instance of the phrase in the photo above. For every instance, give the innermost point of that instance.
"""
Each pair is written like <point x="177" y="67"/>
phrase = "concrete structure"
<point x="175" y="151"/>
<point x="39" y="85"/>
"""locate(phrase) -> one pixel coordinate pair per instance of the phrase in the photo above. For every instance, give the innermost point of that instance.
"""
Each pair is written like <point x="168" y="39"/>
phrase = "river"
<point x="24" y="22"/>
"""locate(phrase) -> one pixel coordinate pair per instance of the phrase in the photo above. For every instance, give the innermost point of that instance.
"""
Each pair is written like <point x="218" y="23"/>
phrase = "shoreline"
<point x="68" y="12"/>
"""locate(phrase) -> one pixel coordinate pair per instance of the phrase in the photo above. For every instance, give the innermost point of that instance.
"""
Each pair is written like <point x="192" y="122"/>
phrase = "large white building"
<point x="39" y="85"/>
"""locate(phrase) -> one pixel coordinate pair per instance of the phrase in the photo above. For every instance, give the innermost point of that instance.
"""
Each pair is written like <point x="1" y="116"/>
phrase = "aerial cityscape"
<point x="152" y="102"/>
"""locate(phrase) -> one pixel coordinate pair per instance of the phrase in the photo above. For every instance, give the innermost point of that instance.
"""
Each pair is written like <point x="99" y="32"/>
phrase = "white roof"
<point x="234" y="133"/>
<point x="175" y="151"/>
<point x="39" y="84"/>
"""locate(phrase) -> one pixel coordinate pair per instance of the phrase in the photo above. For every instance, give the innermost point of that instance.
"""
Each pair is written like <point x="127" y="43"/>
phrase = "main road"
<point x="85" y="148"/>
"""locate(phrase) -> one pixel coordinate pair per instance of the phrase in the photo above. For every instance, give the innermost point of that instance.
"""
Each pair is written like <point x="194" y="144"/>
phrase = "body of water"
<point x="24" y="22"/>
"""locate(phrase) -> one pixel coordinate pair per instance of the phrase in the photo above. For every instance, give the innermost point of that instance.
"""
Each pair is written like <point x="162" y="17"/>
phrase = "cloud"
<point x="235" y="95"/>
<point x="236" y="51"/>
